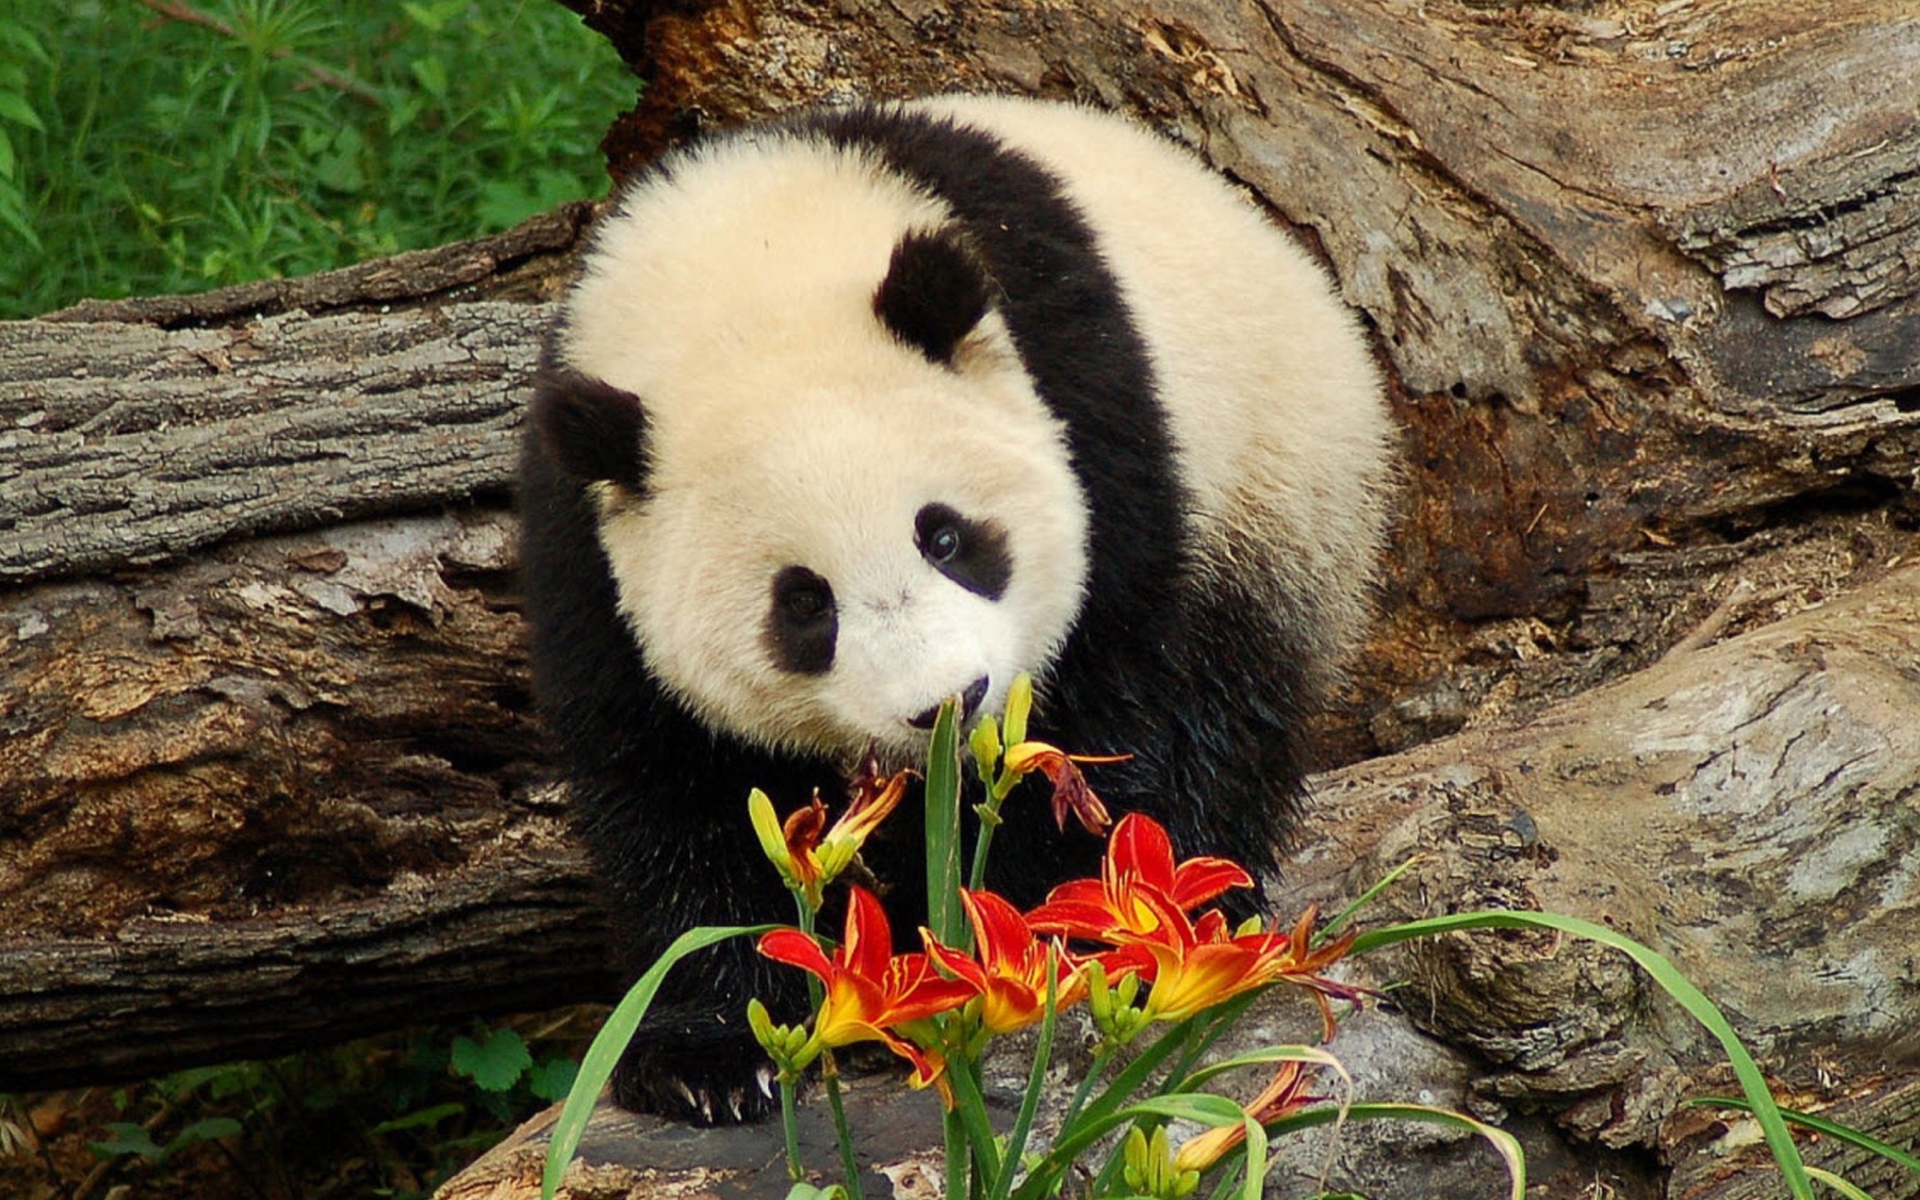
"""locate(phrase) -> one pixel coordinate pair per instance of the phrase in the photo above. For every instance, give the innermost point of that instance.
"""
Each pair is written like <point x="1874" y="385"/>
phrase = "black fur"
<point x="802" y="628"/>
<point x="591" y="430"/>
<point x="972" y="553"/>
<point x="1188" y="676"/>
<point x="934" y="293"/>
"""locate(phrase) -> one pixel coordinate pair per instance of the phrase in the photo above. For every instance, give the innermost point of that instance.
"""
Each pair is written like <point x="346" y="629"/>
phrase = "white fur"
<point x="1273" y="396"/>
<point x="787" y="427"/>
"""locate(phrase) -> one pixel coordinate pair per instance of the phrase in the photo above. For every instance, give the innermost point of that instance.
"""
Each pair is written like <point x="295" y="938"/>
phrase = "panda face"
<point x="842" y="500"/>
<point x="826" y="585"/>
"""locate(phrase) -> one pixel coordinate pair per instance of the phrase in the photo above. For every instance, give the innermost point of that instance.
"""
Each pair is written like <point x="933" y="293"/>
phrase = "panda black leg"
<point x="698" y="1071"/>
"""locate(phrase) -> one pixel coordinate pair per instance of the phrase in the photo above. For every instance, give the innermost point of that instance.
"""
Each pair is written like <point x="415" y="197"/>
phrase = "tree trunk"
<point x="288" y="789"/>
<point x="1645" y="280"/>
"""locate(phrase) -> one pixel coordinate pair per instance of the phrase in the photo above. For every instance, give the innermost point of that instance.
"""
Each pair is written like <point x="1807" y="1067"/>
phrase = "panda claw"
<point x="736" y="1104"/>
<point x="686" y="1093"/>
<point x="764" y="1077"/>
<point x="706" y="1106"/>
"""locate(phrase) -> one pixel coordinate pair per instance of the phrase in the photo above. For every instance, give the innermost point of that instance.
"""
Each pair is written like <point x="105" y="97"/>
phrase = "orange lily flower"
<point x="808" y="853"/>
<point x="870" y="990"/>
<point x="1199" y="965"/>
<point x="1119" y="906"/>
<point x="1303" y="965"/>
<point x="1287" y="1094"/>
<point x="1010" y="972"/>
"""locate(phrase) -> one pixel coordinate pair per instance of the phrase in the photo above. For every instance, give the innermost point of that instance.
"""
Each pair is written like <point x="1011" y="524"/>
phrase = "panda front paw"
<point x="728" y="1082"/>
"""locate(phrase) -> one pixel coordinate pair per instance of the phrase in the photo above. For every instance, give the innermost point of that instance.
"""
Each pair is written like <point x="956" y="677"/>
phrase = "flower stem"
<point x="944" y="915"/>
<point x="790" y="1122"/>
<point x="1036" y="1082"/>
<point x="1095" y="1069"/>
<point x="989" y="814"/>
<point x="956" y="1132"/>
<point x="976" y="1131"/>
<point x="830" y="1070"/>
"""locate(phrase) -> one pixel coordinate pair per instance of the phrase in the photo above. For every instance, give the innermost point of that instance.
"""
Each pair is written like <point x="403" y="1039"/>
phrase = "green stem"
<point x="956" y="1133"/>
<point x="989" y="820"/>
<point x="1201" y="1039"/>
<point x="790" y="1122"/>
<point x="972" y="1107"/>
<point x="831" y="1071"/>
<point x="1036" y="1082"/>
<point x="944" y="916"/>
<point x="1070" y="1141"/>
<point x="1095" y="1069"/>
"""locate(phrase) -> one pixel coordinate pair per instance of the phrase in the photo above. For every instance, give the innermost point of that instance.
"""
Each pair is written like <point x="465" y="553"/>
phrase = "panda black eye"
<point x="972" y="553"/>
<point x="801" y="626"/>
<point x="804" y="604"/>
<point x="943" y="544"/>
<point x="805" y="601"/>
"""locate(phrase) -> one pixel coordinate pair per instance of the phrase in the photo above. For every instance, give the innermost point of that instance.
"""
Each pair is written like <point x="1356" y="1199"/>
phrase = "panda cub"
<point x="871" y="407"/>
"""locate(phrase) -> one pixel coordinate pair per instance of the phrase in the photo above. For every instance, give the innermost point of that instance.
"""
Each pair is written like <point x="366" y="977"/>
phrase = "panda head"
<point x="825" y="487"/>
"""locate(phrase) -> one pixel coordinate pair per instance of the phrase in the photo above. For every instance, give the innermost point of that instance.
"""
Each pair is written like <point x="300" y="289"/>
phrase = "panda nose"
<point x="970" y="699"/>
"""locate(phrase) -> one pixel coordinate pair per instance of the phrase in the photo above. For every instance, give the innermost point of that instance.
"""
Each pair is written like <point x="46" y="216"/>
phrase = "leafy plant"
<point x="986" y="972"/>
<point x="251" y="139"/>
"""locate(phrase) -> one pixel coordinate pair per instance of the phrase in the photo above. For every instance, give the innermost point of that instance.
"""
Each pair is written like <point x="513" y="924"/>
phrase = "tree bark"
<point x="288" y="789"/>
<point x="1643" y="277"/>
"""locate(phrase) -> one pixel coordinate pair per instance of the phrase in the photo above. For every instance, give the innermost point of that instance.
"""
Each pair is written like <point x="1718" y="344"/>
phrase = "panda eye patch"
<point x="801" y="626"/>
<point x="804" y="603"/>
<point x="971" y="553"/>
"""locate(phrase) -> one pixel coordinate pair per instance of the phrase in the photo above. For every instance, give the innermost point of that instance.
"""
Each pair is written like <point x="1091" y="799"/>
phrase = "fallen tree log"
<point x="274" y="791"/>
<point x="1642" y="281"/>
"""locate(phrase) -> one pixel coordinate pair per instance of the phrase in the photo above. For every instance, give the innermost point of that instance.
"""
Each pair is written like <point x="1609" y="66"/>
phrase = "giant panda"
<point x="870" y="407"/>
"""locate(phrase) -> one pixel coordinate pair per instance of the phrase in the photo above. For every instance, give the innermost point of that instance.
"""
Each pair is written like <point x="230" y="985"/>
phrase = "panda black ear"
<point x="589" y="427"/>
<point x="935" y="292"/>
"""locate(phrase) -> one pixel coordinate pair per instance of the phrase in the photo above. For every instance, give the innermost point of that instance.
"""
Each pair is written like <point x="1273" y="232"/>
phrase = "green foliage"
<point x="392" y="1115"/>
<point x="128" y="1138"/>
<point x="1753" y="1083"/>
<point x="494" y="1065"/>
<point x="141" y="154"/>
<point x="596" y="1068"/>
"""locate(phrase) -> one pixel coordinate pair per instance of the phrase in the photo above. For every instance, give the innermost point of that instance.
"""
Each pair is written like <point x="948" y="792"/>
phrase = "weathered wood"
<point x="1746" y="808"/>
<point x="136" y="431"/>
<point x="284" y="422"/>
<point x="1715" y="1156"/>
<point x="290" y="792"/>
<point x="515" y="923"/>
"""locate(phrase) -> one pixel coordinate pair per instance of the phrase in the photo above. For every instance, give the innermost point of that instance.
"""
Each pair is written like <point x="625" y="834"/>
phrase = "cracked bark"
<point x="1641" y="275"/>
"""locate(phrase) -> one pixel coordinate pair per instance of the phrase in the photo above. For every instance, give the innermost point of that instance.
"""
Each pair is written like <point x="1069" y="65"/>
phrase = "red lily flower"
<point x="1199" y="965"/>
<point x="870" y="990"/>
<point x="1010" y="973"/>
<point x="1119" y="907"/>
<point x="808" y="853"/>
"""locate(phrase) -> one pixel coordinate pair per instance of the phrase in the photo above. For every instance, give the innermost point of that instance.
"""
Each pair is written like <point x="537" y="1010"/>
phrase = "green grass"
<point x="152" y="146"/>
